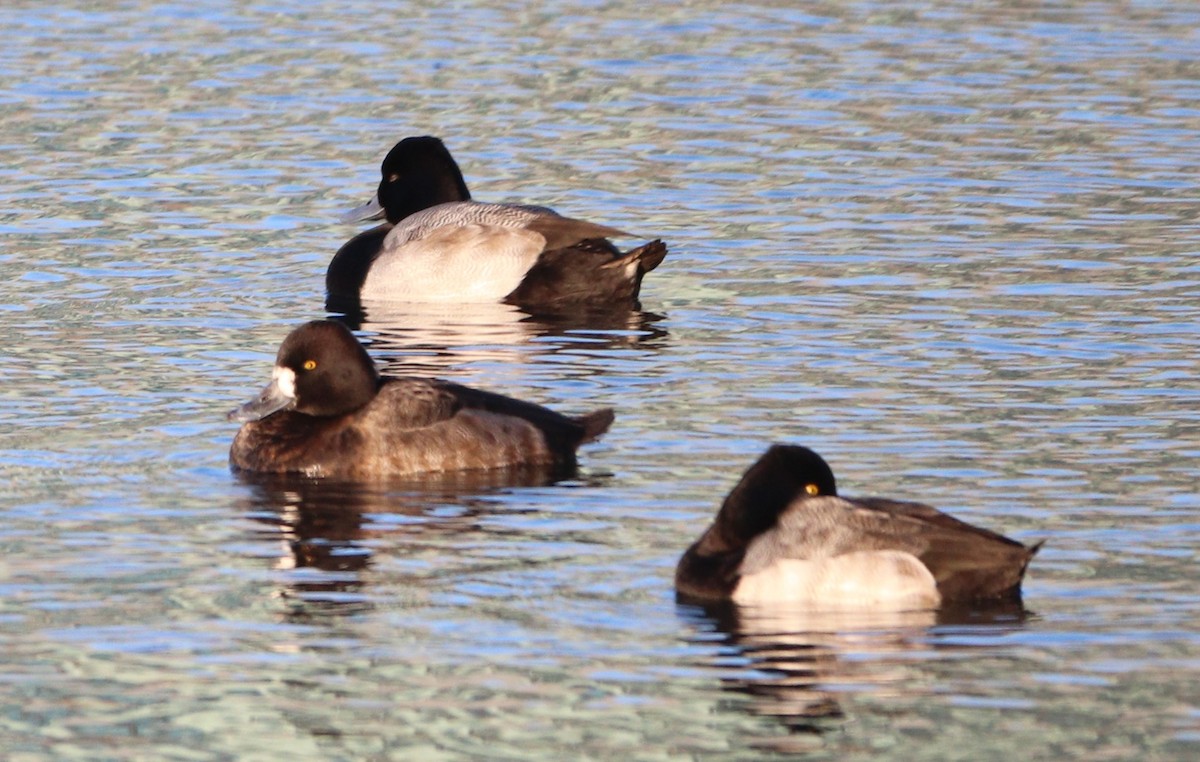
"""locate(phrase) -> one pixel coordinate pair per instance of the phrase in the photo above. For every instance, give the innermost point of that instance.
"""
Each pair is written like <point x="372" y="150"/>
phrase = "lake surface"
<point x="953" y="249"/>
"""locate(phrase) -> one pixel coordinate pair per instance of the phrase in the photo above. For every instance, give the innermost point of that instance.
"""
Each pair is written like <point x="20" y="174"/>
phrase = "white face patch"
<point x="285" y="381"/>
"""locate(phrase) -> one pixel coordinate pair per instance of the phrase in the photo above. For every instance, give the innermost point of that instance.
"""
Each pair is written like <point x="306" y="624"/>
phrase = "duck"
<point x="439" y="245"/>
<point x="328" y="413"/>
<point x="783" y="535"/>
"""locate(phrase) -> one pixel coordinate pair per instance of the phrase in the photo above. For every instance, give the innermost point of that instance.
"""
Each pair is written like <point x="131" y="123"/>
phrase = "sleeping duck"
<point x="783" y="535"/>
<point x="328" y="413"/>
<point x="440" y="246"/>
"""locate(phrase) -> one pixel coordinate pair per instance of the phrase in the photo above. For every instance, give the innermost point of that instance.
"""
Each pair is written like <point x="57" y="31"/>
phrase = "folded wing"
<point x="966" y="561"/>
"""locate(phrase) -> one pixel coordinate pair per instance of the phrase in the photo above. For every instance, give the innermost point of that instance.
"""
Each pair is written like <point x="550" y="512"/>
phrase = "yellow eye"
<point x="812" y="489"/>
<point x="310" y="364"/>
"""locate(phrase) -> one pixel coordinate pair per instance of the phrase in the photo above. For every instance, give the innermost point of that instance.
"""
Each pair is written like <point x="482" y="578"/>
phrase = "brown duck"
<point x="328" y="413"/>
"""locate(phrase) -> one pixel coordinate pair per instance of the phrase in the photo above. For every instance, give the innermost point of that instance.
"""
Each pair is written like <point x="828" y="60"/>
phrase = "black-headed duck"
<point x="439" y="245"/>
<point x="783" y="535"/>
<point x="328" y="413"/>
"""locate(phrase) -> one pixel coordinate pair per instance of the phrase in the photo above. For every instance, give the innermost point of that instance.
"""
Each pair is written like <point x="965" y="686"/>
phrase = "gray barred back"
<point x="457" y="213"/>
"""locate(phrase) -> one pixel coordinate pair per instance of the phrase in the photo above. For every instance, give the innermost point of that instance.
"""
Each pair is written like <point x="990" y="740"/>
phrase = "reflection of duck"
<point x="328" y="413"/>
<point x="807" y="668"/>
<point x="328" y="526"/>
<point x="440" y="246"/>
<point x="784" y="535"/>
<point x="436" y="338"/>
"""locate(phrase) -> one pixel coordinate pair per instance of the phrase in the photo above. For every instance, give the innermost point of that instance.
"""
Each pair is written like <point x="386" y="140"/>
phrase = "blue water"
<point x="951" y="248"/>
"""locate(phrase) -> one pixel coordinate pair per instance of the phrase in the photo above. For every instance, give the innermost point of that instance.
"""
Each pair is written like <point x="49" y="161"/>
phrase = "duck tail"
<point x="1031" y="552"/>
<point x="595" y="424"/>
<point x="646" y="257"/>
<point x="651" y="255"/>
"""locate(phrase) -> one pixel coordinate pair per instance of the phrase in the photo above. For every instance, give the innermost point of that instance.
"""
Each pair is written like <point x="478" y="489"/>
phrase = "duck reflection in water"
<point x="329" y="532"/>
<point x="437" y="338"/>
<point x="813" y="671"/>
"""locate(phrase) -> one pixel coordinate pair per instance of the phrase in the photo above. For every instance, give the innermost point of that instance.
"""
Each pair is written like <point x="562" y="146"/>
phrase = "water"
<point x="951" y="248"/>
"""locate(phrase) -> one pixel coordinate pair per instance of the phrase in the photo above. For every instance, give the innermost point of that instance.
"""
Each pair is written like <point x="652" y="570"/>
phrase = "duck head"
<point x="321" y="370"/>
<point x="418" y="173"/>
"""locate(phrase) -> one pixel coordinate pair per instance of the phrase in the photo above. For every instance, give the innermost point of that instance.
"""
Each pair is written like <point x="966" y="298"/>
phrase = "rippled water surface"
<point x="952" y="248"/>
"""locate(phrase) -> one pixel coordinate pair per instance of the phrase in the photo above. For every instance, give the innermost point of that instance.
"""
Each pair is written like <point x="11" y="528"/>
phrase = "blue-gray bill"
<point x="270" y="400"/>
<point x="372" y="210"/>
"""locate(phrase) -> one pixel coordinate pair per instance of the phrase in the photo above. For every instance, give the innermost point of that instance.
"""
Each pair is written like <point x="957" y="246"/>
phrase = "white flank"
<point x="455" y="263"/>
<point x="887" y="579"/>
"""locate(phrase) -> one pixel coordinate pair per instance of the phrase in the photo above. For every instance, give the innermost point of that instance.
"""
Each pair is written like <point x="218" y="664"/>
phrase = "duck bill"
<point x="275" y="396"/>
<point x="372" y="210"/>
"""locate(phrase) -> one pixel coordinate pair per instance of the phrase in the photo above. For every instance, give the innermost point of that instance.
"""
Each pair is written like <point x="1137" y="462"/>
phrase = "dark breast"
<point x="709" y="569"/>
<point x="288" y="442"/>
<point x="348" y="268"/>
